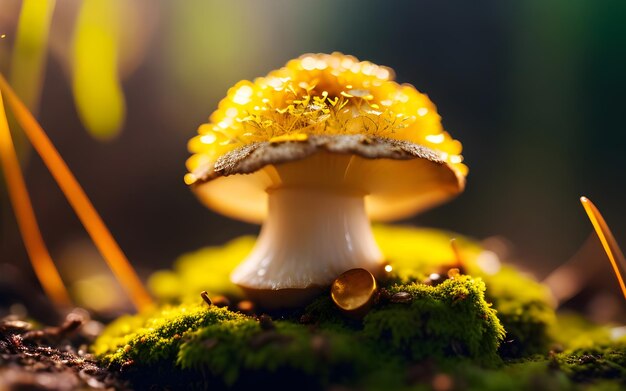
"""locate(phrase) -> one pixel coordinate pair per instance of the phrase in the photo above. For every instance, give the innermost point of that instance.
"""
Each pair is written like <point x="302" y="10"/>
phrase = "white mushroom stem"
<point x="308" y="239"/>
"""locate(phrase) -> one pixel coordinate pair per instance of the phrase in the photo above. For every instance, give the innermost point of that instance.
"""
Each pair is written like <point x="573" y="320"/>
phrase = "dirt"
<point x="53" y="358"/>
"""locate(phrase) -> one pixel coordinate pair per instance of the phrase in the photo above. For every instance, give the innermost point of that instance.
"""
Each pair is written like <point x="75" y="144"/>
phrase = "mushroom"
<point x="314" y="150"/>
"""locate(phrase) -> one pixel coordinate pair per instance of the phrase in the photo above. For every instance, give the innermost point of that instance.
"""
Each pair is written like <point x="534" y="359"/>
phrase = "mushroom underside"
<point x="397" y="178"/>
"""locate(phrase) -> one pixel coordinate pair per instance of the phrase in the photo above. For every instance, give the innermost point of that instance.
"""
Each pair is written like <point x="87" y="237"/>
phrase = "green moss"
<point x="525" y="309"/>
<point x="572" y="331"/>
<point x="528" y="375"/>
<point x="325" y="313"/>
<point x="448" y="320"/>
<point x="182" y="342"/>
<point x="598" y="362"/>
<point x="448" y="328"/>
<point x="200" y="346"/>
<point x="156" y="335"/>
<point x="600" y="368"/>
<point x="524" y="306"/>
<point x="232" y="351"/>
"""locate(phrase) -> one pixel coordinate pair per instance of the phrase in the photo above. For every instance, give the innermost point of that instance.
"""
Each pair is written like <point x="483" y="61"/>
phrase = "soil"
<point x="53" y="358"/>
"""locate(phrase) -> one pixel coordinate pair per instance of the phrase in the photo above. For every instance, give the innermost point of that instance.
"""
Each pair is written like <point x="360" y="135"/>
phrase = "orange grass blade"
<point x="79" y="201"/>
<point x="39" y="256"/>
<point x="616" y="257"/>
<point x="458" y="258"/>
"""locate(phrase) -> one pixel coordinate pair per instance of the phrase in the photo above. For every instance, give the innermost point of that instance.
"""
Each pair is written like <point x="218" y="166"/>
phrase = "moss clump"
<point x="235" y="352"/>
<point x="156" y="335"/>
<point x="525" y="309"/>
<point x="447" y="329"/>
<point x="598" y="362"/>
<point x="524" y="306"/>
<point x="449" y="320"/>
<point x="193" y="346"/>
<point x="572" y="331"/>
<point x="600" y="368"/>
<point x="218" y="348"/>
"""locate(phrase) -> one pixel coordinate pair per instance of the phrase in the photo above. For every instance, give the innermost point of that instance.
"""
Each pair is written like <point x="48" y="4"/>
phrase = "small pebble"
<point x="246" y="307"/>
<point x="221" y="301"/>
<point x="15" y="325"/>
<point x="266" y="323"/>
<point x="401" y="297"/>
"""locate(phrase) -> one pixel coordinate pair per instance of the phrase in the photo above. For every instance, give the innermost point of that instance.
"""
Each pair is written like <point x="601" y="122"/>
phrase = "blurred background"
<point x="534" y="90"/>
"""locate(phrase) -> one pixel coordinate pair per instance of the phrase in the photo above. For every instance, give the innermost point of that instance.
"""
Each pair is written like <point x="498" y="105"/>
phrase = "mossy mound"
<point x="156" y="335"/>
<point x="602" y="367"/>
<point x="447" y="321"/>
<point x="523" y="305"/>
<point x="482" y="329"/>
<point x="208" y="347"/>
<point x="232" y="351"/>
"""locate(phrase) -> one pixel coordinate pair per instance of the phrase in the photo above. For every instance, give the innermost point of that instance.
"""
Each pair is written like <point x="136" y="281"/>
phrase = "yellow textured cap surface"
<point x="321" y="94"/>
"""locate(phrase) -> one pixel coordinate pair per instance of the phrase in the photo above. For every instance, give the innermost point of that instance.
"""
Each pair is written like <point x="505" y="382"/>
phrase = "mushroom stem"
<point x="309" y="238"/>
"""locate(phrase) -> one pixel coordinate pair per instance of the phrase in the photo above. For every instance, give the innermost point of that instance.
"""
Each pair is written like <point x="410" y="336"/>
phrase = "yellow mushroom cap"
<point x="325" y="104"/>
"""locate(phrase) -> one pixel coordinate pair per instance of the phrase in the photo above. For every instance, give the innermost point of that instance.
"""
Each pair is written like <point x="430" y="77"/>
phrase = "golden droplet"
<point x="454" y="272"/>
<point x="354" y="290"/>
<point x="246" y="307"/>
